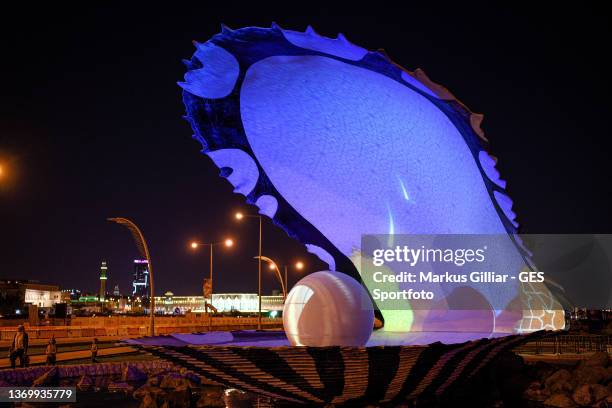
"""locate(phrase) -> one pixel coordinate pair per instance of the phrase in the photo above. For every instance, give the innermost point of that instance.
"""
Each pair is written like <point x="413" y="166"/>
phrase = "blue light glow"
<point x="404" y="191"/>
<point x="322" y="130"/>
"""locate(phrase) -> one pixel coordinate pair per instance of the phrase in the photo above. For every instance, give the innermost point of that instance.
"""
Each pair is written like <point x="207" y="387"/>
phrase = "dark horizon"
<point x="91" y="127"/>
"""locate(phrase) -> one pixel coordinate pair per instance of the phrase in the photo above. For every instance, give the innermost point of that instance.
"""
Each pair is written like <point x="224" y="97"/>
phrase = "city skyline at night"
<point x="91" y="128"/>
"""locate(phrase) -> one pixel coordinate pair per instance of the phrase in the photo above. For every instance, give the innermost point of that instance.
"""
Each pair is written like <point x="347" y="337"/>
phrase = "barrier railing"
<point x="133" y="329"/>
<point x="567" y="344"/>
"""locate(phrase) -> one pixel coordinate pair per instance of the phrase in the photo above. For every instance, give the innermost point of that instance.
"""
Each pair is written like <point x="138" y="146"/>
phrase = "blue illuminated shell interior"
<point x="332" y="141"/>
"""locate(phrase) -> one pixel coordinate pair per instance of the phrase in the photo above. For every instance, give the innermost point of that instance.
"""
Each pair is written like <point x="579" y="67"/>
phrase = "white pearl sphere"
<point x="328" y="309"/>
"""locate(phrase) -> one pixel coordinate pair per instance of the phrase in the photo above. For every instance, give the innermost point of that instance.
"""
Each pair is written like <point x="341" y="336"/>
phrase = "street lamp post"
<point x="284" y="282"/>
<point x="274" y="267"/>
<point x="194" y="245"/>
<point x="144" y="251"/>
<point x="240" y="216"/>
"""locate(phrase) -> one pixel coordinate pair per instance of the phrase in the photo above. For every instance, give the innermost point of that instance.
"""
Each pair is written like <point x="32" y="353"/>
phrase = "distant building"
<point x="122" y="304"/>
<point x="16" y="294"/>
<point x="116" y="291"/>
<point x="240" y="302"/>
<point x="103" y="278"/>
<point x="171" y="305"/>
<point x="87" y="303"/>
<point x="72" y="294"/>
<point x="223" y="302"/>
<point x="140" y="283"/>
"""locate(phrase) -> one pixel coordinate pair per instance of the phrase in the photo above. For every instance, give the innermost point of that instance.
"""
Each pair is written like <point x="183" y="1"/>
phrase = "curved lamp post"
<point x="285" y="282"/>
<point x="144" y="251"/>
<point x="274" y="266"/>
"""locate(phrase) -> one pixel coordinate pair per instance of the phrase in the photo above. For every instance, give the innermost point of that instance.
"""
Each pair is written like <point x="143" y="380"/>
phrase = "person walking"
<point x="94" y="350"/>
<point x="19" y="347"/>
<point x="51" y="352"/>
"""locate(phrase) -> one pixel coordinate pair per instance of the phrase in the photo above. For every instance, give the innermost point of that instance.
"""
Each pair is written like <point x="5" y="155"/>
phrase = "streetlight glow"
<point x="194" y="245"/>
<point x="299" y="265"/>
<point x="229" y="243"/>
<point x="272" y="266"/>
<point x="239" y="215"/>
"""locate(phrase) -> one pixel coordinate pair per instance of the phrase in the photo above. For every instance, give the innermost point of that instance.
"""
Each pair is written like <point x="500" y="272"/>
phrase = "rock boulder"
<point x="560" y="401"/>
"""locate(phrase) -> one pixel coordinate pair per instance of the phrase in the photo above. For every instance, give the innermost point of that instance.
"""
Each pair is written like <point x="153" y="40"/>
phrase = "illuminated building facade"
<point x="15" y="295"/>
<point x="223" y="302"/>
<point x="140" y="283"/>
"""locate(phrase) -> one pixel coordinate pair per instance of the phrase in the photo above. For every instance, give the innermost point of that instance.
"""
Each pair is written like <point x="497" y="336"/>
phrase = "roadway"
<point x="38" y="359"/>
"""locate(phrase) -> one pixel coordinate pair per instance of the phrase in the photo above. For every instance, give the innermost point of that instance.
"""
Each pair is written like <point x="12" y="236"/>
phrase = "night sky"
<point x="91" y="127"/>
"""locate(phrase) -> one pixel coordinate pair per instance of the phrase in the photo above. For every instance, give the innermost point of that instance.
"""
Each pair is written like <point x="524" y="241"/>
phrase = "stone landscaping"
<point x="587" y="384"/>
<point x="148" y="384"/>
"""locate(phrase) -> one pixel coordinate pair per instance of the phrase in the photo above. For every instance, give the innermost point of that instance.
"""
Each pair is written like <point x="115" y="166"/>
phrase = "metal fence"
<point x="567" y="344"/>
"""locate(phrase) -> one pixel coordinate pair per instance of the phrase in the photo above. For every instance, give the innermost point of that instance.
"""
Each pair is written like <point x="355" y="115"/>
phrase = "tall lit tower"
<point x="103" y="269"/>
<point x="141" y="278"/>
